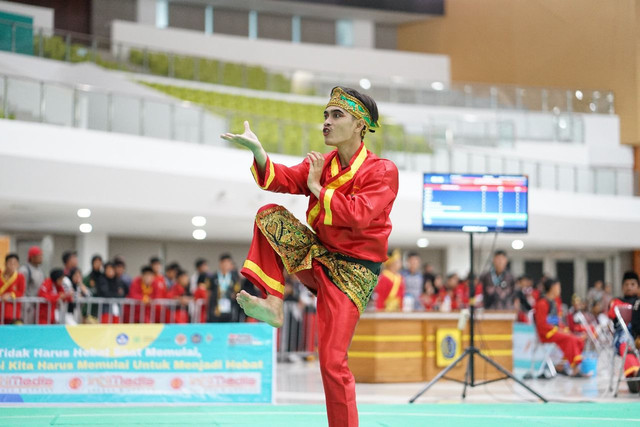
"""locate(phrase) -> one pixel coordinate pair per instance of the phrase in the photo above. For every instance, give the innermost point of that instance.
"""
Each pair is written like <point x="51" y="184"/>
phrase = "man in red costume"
<point x="145" y="288"/>
<point x="12" y="286"/>
<point x="351" y="192"/>
<point x="52" y="290"/>
<point x="391" y="285"/>
<point x="548" y="320"/>
<point x="630" y="287"/>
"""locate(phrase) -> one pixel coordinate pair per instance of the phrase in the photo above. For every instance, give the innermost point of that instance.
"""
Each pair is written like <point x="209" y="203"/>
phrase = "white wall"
<point x="273" y="53"/>
<point x="42" y="16"/>
<point x="146" y="187"/>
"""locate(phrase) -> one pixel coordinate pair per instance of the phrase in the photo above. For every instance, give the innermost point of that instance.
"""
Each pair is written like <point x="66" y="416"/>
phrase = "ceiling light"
<point x="86" y="228"/>
<point x="422" y="242"/>
<point x="199" y="234"/>
<point x="84" y="213"/>
<point x="365" y="84"/>
<point x="437" y="86"/>
<point x="579" y="95"/>
<point x="517" y="244"/>
<point x="198" y="221"/>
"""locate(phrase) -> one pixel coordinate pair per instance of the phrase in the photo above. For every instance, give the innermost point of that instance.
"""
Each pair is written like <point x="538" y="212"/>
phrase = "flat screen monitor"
<point x="475" y="203"/>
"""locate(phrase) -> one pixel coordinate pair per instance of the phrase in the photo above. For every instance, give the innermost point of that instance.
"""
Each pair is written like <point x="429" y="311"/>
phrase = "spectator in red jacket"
<point x="12" y="286"/>
<point x="145" y="289"/>
<point x="52" y="290"/>
<point x="550" y="328"/>
<point x="389" y="292"/>
<point x="630" y="288"/>
<point x="180" y="292"/>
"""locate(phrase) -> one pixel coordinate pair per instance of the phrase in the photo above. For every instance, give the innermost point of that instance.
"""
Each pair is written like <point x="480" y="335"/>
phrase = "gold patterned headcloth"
<point x="351" y="104"/>
<point x="395" y="256"/>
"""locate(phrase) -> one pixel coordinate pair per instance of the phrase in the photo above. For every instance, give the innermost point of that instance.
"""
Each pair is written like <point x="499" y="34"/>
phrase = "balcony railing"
<point x="77" y="47"/>
<point x="433" y="148"/>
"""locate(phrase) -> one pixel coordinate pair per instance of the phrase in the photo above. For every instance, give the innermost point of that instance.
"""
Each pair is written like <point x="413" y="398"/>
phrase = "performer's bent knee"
<point x="269" y="206"/>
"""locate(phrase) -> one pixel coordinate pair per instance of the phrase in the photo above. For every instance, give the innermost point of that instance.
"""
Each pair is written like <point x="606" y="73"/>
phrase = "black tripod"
<point x="471" y="351"/>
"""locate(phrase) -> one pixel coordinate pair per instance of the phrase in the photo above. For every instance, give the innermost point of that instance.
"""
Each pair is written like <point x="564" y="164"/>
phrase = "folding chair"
<point x="597" y="345"/>
<point x="547" y="349"/>
<point x="623" y="314"/>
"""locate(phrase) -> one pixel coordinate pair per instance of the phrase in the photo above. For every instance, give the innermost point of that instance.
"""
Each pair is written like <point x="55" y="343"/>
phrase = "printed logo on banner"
<point x="181" y="339"/>
<point x="122" y="339"/>
<point x="196" y="338"/>
<point x="209" y="338"/>
<point x="25" y="382"/>
<point x="177" y="383"/>
<point x="243" y="339"/>
<point x="75" y="383"/>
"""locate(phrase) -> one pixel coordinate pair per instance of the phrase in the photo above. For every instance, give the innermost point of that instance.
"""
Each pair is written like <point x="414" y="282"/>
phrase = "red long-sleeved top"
<point x="389" y="291"/>
<point x="544" y="328"/>
<point x="51" y="292"/>
<point x="14" y="286"/>
<point x="351" y="216"/>
<point x="139" y="291"/>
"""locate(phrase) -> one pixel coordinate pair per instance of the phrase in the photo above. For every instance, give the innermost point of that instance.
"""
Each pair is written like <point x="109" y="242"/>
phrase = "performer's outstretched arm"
<point x="268" y="175"/>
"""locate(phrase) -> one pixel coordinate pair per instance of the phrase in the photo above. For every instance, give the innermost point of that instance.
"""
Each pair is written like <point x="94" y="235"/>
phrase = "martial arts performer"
<point x="550" y="327"/>
<point x="351" y="192"/>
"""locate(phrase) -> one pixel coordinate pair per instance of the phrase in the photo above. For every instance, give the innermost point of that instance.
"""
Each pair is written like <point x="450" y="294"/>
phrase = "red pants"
<point x="631" y="364"/>
<point x="337" y="319"/>
<point x="570" y="345"/>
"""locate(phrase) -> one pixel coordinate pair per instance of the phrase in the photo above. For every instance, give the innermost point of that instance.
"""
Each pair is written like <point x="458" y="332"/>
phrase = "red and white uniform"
<point x="13" y="286"/>
<point x="52" y="292"/>
<point x="548" y="320"/>
<point x="145" y="293"/>
<point x="350" y="217"/>
<point x="180" y="314"/>
<point x="390" y="291"/>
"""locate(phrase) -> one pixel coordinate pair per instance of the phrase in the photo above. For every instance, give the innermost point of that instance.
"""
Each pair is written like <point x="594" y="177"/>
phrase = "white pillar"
<point x="580" y="281"/>
<point x="549" y="266"/>
<point x="364" y="34"/>
<point x="146" y="12"/>
<point x="457" y="261"/>
<point x="616" y="274"/>
<point x="90" y="244"/>
<point x="47" y="254"/>
<point x="517" y="266"/>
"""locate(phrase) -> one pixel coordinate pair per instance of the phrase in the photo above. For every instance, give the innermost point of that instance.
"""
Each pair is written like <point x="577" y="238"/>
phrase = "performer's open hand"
<point x="316" y="164"/>
<point x="247" y="139"/>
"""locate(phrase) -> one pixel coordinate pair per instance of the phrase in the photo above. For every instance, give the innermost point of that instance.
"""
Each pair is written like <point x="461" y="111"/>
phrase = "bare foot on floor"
<point x="266" y="309"/>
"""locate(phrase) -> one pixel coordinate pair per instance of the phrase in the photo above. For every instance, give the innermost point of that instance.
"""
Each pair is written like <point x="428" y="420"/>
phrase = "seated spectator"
<point x="497" y="284"/>
<point x="145" y="289"/>
<point x="630" y="287"/>
<point x="525" y="298"/>
<point x="574" y="323"/>
<point x="390" y="289"/>
<point x="12" y="286"/>
<point x="180" y="293"/>
<point x="550" y="328"/>
<point x="53" y="291"/>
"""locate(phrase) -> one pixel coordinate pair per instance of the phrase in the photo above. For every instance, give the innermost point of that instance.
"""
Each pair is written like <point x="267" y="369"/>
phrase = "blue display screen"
<point x="475" y="203"/>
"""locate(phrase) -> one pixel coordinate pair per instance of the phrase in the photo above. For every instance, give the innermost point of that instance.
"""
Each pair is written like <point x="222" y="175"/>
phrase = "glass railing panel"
<point x="605" y="181"/>
<point x="58" y="106"/>
<point x="186" y="124"/>
<point x="23" y="99"/>
<point x="127" y="115"/>
<point x="93" y="110"/>
<point x="157" y="119"/>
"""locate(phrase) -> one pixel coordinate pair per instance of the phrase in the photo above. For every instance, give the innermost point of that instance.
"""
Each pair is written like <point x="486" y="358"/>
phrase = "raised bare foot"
<point x="266" y="309"/>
